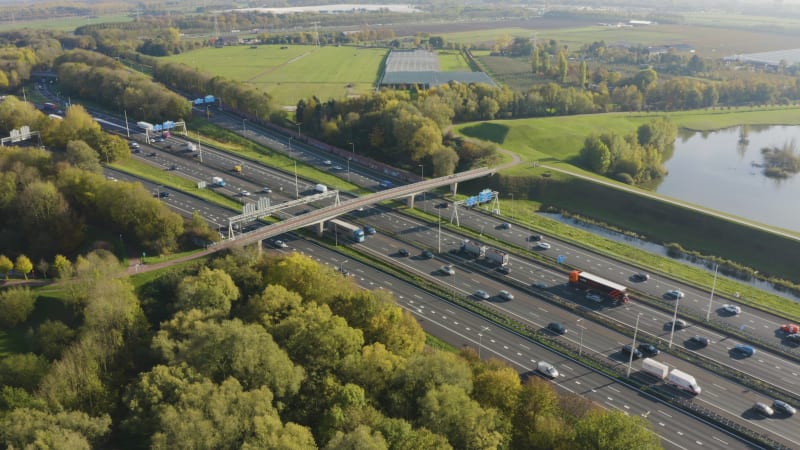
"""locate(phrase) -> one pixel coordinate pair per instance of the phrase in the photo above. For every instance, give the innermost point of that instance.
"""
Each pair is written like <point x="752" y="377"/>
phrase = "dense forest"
<point x="252" y="351"/>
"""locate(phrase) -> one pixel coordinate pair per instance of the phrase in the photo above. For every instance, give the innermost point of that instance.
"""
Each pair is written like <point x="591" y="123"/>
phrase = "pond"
<point x="719" y="170"/>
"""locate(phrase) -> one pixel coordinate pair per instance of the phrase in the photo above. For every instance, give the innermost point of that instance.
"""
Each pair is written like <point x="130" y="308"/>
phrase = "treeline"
<point x="632" y="158"/>
<point x="252" y="351"/>
<point x="49" y="200"/>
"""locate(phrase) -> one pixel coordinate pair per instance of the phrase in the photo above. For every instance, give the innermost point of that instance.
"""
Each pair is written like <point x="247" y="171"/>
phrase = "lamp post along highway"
<point x="244" y="127"/>
<point x="296" y="186"/>
<point x="480" y="339"/>
<point x="674" y="319"/>
<point x="512" y="206"/>
<point x="711" y="297"/>
<point x="633" y="345"/>
<point x="580" y="346"/>
<point x="439" y="224"/>
<point x="422" y="178"/>
<point x="348" y="169"/>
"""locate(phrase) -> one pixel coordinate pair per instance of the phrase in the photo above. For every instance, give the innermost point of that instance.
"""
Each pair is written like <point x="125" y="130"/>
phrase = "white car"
<point x="547" y="369"/>
<point x="327" y="162"/>
<point x="505" y="295"/>
<point x="731" y="309"/>
<point x="280" y="244"/>
<point x="674" y="295"/>
<point x="481" y="294"/>
<point x="266" y="190"/>
<point x="543" y="245"/>
<point x="245" y="193"/>
<point x="448" y="270"/>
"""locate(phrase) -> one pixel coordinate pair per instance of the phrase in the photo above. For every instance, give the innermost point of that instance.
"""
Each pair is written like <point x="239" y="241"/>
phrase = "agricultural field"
<point x="452" y="61"/>
<point x="293" y="72"/>
<point x="62" y="23"/>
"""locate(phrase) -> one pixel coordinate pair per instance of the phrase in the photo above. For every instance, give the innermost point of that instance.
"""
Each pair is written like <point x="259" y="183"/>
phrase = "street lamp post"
<point x="512" y="206"/>
<point x="439" y="224"/>
<point x="633" y="345"/>
<point x="290" y="144"/>
<point x="244" y="127"/>
<point x="711" y="297"/>
<point x="348" y="169"/>
<point x="341" y="266"/>
<point x="422" y="178"/>
<point x="353" y="145"/>
<point x="480" y="339"/>
<point x="298" y="129"/>
<point x="580" y="346"/>
<point x="296" y="186"/>
<point x="674" y="319"/>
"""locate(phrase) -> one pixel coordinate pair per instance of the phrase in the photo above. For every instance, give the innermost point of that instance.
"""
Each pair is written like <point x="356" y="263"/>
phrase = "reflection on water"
<point x="658" y="250"/>
<point x="715" y="169"/>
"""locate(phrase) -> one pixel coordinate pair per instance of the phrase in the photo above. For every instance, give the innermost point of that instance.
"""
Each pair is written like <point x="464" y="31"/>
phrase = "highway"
<point x="462" y="328"/>
<point x="259" y="177"/>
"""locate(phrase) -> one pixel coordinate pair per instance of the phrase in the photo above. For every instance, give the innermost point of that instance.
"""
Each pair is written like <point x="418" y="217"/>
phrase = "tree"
<point x="82" y="156"/>
<point x="23" y="265"/>
<point x="596" y="155"/>
<point x="498" y="388"/>
<point x="209" y="290"/>
<point x="615" y="430"/>
<point x="273" y="305"/>
<point x="563" y="67"/>
<point x="537" y="401"/>
<point x="360" y="438"/>
<point x="448" y="410"/>
<point x="63" y="266"/>
<point x="16" y="304"/>
<point x="6" y="266"/>
<point x="66" y="430"/>
<point x="23" y="370"/>
<point x="52" y="337"/>
<point x="583" y="74"/>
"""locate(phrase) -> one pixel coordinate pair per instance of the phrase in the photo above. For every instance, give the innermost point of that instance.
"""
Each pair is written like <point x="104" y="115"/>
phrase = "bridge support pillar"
<point x="454" y="189"/>
<point x="320" y="228"/>
<point x="411" y="201"/>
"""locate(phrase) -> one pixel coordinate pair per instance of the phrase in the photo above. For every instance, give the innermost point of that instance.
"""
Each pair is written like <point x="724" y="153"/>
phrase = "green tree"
<point x="448" y="410"/>
<point x="16" y="304"/>
<point x="209" y="290"/>
<point x="535" y="61"/>
<point x="23" y="370"/>
<point x="401" y="436"/>
<point x="63" y="267"/>
<point x="82" y="156"/>
<point x="23" y="265"/>
<point x="563" y="67"/>
<point x="596" y="155"/>
<point x="498" y="388"/>
<point x="273" y="305"/>
<point x="583" y="74"/>
<point x="52" y="337"/>
<point x="538" y="401"/>
<point x="615" y="430"/>
<point x="6" y="266"/>
<point x="73" y="430"/>
<point x="360" y="438"/>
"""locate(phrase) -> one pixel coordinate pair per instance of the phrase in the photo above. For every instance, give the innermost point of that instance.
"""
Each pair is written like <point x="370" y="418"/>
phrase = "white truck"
<point x="189" y="147"/>
<point x="655" y="368"/>
<point x="218" y="181"/>
<point x="321" y="188"/>
<point x="473" y="248"/>
<point x="496" y="256"/>
<point x="683" y="381"/>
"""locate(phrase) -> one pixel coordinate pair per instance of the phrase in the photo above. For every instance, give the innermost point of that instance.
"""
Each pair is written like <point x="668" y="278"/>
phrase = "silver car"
<point x="783" y="407"/>
<point x="481" y="294"/>
<point x="547" y="369"/>
<point x="763" y="408"/>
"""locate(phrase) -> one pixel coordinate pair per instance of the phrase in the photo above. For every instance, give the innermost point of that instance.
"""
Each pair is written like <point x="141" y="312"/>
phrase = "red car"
<point x="790" y="328"/>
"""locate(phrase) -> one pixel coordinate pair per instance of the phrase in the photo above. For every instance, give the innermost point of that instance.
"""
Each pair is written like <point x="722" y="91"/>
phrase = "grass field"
<point x="64" y="23"/>
<point x="294" y="72"/>
<point x="561" y="138"/>
<point x="452" y="61"/>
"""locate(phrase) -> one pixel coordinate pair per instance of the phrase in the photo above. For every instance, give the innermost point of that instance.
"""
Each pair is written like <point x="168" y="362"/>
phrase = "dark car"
<point x="648" y="349"/>
<point x="701" y="341"/>
<point x="152" y="154"/>
<point x="627" y="349"/>
<point x="369" y="230"/>
<point x="427" y="254"/>
<point x="535" y="238"/>
<point x="402" y="252"/>
<point x="679" y="324"/>
<point x="556" y="327"/>
<point x="641" y="276"/>
<point x="163" y="194"/>
<point x="783" y="407"/>
<point x="505" y="270"/>
<point x="744" y="350"/>
<point x="443" y="205"/>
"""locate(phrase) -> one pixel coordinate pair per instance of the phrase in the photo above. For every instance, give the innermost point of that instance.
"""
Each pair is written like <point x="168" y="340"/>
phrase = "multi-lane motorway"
<point x="727" y="398"/>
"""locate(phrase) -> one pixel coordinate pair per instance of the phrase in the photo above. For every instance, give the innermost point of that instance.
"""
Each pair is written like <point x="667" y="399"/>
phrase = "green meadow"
<point x="294" y="72"/>
<point x="63" y="23"/>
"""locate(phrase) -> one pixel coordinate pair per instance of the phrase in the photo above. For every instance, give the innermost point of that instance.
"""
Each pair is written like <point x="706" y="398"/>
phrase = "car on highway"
<point x="505" y="270"/>
<point x="443" y="205"/>
<point x="679" y="324"/>
<point x="793" y="338"/>
<point x="648" y="349"/>
<point x="133" y="144"/>
<point x="427" y="254"/>
<point x="674" y="294"/>
<point x="137" y="150"/>
<point x="556" y="328"/>
<point x="535" y="238"/>
<point x="505" y="226"/>
<point x="641" y="276"/>
<point x="731" y="309"/>
<point x="152" y="154"/>
<point x="266" y="190"/>
<point x="540" y="285"/>
<point x="327" y="162"/>
<point x="790" y="328"/>
<point x="403" y="252"/>
<point x="481" y="294"/>
<point x="163" y="194"/>
<point x="505" y="295"/>
<point x="763" y="409"/>
<point x="698" y="340"/>
<point x="628" y="349"/>
<point x="448" y="270"/>
<point x="173" y="167"/>
<point x="744" y="350"/>
<point x="369" y="230"/>
<point x="547" y="369"/>
<point x="594" y="296"/>
<point x="158" y="139"/>
<point x="543" y="245"/>
<point x="783" y="407"/>
<point x="280" y="244"/>
<point x="245" y="193"/>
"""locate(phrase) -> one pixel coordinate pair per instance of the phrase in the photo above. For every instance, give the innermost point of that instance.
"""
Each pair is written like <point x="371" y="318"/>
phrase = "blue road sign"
<point x="471" y="201"/>
<point x="560" y="259"/>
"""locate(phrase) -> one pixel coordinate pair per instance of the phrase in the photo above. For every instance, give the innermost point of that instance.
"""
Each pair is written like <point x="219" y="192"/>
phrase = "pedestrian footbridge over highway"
<point x="319" y="216"/>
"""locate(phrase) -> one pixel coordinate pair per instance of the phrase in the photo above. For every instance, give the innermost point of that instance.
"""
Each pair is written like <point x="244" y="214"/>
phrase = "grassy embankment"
<point x="556" y="142"/>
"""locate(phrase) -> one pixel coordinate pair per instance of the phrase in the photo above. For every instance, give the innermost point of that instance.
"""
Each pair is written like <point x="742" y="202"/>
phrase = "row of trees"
<point x="251" y="352"/>
<point x="632" y="158"/>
